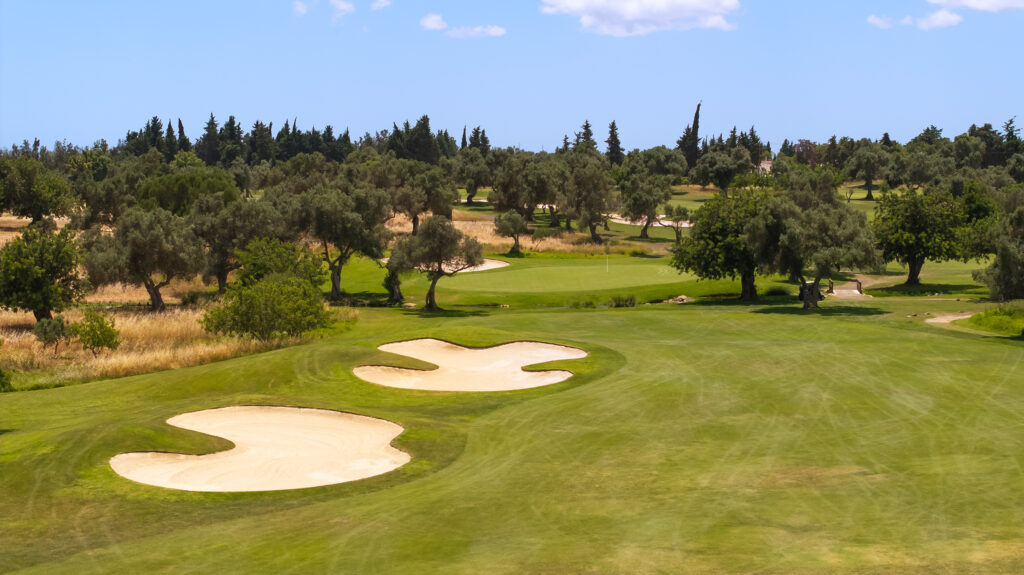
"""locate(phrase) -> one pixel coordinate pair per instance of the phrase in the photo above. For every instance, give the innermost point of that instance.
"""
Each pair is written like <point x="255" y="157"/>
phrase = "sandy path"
<point x="947" y="319"/>
<point x="848" y="291"/>
<point x="487" y="265"/>
<point x="470" y="369"/>
<point x="276" y="448"/>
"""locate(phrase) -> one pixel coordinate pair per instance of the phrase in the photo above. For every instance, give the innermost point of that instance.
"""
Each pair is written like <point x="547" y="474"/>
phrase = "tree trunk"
<point x="393" y="284"/>
<point x="555" y="220"/>
<point x="606" y="227"/>
<point x="812" y="294"/>
<point x="568" y="224"/>
<point x="643" y="230"/>
<point x="515" y="246"/>
<point x="42" y="314"/>
<point x="470" y="194"/>
<point x="593" y="234"/>
<point x="431" y="299"/>
<point x="679" y="235"/>
<point x="156" y="301"/>
<point x="222" y="281"/>
<point x="748" y="289"/>
<point x="914" y="277"/>
<point x="335" y="281"/>
<point x="870" y="185"/>
<point x="415" y="224"/>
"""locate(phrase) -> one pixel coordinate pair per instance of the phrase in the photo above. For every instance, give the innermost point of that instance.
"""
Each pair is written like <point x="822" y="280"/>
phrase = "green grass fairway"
<point x="695" y="438"/>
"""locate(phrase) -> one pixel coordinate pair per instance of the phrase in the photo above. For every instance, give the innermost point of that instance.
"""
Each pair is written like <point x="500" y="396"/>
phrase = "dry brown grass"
<point x="149" y="342"/>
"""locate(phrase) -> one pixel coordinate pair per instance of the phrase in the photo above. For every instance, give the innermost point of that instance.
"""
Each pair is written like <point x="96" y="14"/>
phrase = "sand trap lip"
<point x="498" y="368"/>
<point x="947" y="319"/>
<point x="487" y="265"/>
<point x="276" y="448"/>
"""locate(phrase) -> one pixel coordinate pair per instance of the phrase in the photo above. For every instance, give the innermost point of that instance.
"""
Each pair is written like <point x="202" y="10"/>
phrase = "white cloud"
<point x="638" y="17"/>
<point x="907" y="21"/>
<point x="983" y="5"/>
<point x="342" y="8"/>
<point x="939" y="19"/>
<point x="300" y="8"/>
<point x="380" y="4"/>
<point x="882" y="22"/>
<point x="476" y="32"/>
<point x="433" y="22"/>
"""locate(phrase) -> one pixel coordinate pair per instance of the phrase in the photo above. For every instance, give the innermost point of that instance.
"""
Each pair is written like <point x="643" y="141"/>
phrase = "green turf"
<point x="710" y="437"/>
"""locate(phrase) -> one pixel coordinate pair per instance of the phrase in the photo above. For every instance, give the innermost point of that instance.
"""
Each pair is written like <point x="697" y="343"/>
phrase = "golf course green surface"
<point x="708" y="437"/>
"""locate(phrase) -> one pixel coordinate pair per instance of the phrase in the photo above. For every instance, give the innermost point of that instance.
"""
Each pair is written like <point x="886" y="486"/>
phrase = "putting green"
<point x="593" y="273"/>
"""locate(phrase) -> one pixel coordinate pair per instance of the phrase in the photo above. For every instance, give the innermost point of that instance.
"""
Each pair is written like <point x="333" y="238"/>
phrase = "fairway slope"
<point x="276" y="448"/>
<point x="467" y="369"/>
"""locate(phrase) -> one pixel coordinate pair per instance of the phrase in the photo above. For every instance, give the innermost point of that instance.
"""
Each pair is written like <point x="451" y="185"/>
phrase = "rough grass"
<point x="149" y="342"/>
<point x="1007" y="319"/>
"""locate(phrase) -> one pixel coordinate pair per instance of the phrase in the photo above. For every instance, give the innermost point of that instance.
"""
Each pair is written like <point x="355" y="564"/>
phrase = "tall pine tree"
<point x="615" y="152"/>
<point x="208" y="146"/>
<point x="464" y="143"/>
<point x="184" y="144"/>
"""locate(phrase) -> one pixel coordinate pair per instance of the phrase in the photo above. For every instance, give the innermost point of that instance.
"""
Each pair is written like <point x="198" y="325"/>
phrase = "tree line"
<point x="158" y="206"/>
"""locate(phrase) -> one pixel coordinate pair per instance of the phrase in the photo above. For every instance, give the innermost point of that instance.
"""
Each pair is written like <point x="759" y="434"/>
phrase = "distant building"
<point x="765" y="167"/>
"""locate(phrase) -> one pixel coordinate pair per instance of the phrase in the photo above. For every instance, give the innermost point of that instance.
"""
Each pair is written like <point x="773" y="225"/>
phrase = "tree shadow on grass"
<point x="445" y="313"/>
<point x="733" y="300"/>
<point x="926" y="289"/>
<point x="826" y="311"/>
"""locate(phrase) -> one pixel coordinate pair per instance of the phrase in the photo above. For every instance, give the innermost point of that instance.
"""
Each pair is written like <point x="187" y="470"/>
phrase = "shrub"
<point x="96" y="333"/>
<point x="268" y="309"/>
<point x="5" y="382"/>
<point x="1007" y="319"/>
<point x="622" y="301"/>
<point x="266" y="258"/>
<point x="52" y="332"/>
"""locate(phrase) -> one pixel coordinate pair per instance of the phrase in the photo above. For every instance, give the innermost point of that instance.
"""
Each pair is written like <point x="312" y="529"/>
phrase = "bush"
<point x="1007" y="319"/>
<point x="622" y="301"/>
<point x="5" y="382"/>
<point x="268" y="309"/>
<point x="96" y="333"/>
<point x="52" y="332"/>
<point x="266" y="258"/>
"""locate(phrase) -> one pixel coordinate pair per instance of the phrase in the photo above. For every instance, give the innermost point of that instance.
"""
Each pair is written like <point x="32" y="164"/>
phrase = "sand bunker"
<point x="616" y="218"/>
<point x="471" y="369"/>
<point x="487" y="265"/>
<point x="276" y="448"/>
<point x="947" y="319"/>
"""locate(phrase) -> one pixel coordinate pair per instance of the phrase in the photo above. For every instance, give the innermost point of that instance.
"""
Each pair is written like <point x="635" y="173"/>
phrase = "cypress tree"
<point x="170" y="143"/>
<point x="485" y="142"/>
<point x="689" y="144"/>
<point x="208" y="148"/>
<point x="615" y="152"/>
<point x="184" y="144"/>
<point x="463" y="138"/>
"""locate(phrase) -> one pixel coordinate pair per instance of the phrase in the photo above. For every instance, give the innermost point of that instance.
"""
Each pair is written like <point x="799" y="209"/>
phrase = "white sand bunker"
<point x="276" y="448"/>
<point x="471" y="369"/>
<point x="487" y="265"/>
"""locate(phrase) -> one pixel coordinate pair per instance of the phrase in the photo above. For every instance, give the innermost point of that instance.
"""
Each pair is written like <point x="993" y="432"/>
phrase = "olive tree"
<point x="151" y="248"/>
<point x="39" y="272"/>
<point x="438" y="251"/>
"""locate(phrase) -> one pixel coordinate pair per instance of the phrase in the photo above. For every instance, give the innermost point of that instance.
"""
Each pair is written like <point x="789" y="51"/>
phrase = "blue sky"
<point x="528" y="71"/>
